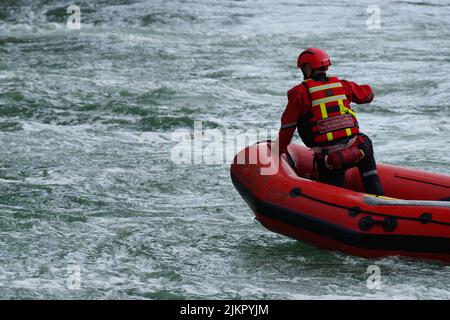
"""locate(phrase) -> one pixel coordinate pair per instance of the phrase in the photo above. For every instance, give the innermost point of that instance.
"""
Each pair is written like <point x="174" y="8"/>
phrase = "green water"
<point x="86" y="121"/>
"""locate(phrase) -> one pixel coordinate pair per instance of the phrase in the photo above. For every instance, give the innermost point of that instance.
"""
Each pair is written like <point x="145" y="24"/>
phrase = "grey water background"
<point x="86" y="117"/>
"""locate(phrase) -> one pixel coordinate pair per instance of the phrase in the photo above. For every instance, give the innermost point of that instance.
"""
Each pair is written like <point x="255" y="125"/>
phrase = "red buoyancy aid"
<point x="332" y="118"/>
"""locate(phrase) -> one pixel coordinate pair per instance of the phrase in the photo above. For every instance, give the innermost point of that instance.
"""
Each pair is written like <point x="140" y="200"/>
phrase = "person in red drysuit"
<point x="319" y="108"/>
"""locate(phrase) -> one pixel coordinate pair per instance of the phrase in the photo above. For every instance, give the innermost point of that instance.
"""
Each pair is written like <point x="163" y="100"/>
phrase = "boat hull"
<point x="417" y="224"/>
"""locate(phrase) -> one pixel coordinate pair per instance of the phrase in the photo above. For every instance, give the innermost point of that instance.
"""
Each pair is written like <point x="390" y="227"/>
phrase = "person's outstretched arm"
<point x="357" y="93"/>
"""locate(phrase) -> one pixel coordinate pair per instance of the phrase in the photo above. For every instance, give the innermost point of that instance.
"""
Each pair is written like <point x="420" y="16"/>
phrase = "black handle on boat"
<point x="389" y="224"/>
<point x="291" y="162"/>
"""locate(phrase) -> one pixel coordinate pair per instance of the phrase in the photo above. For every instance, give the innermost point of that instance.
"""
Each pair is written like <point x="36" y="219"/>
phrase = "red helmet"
<point x="315" y="57"/>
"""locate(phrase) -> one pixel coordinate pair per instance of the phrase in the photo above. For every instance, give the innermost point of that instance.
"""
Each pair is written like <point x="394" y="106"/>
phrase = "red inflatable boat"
<point x="412" y="220"/>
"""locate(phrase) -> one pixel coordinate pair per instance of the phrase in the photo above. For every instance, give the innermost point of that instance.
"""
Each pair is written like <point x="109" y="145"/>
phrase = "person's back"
<point x="320" y="109"/>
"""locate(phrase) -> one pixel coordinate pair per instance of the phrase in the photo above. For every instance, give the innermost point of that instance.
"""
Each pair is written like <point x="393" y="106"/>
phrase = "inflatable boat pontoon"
<point x="412" y="220"/>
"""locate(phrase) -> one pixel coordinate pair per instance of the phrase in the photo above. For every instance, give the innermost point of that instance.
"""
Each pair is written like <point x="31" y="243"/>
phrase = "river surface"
<point x="92" y="205"/>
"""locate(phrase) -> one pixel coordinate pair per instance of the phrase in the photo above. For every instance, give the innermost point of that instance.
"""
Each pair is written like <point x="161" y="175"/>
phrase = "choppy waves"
<point x="86" y="118"/>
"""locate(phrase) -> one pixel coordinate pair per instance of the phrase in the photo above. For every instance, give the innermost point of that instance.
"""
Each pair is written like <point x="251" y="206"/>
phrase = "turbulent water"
<point x="87" y="183"/>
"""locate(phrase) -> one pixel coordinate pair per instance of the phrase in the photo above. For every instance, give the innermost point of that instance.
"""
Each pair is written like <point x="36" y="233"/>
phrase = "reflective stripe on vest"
<point x="323" y="110"/>
<point x="344" y="110"/>
<point x="325" y="86"/>
<point x="328" y="99"/>
<point x="332" y="116"/>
